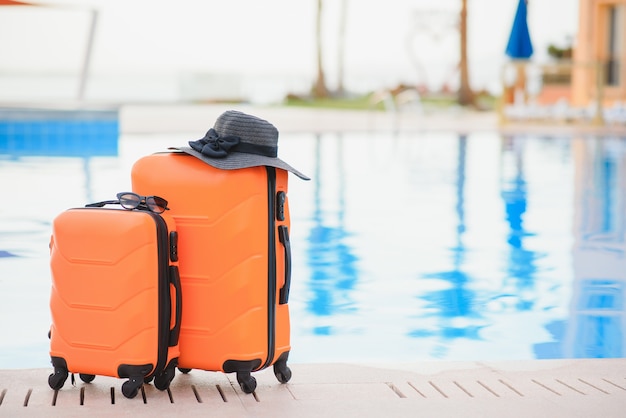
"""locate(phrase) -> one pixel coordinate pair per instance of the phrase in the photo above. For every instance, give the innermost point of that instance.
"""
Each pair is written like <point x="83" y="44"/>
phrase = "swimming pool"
<point x="406" y="246"/>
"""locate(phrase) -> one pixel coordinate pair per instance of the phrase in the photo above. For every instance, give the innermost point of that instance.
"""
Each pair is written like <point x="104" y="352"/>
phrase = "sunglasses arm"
<point x="101" y="204"/>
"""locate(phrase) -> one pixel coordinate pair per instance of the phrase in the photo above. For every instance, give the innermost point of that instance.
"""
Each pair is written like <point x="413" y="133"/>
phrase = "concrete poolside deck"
<point x="151" y="118"/>
<point x="193" y="118"/>
<point x="543" y="388"/>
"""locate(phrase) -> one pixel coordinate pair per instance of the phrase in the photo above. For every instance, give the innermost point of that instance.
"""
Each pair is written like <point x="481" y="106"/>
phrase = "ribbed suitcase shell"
<point x="112" y="301"/>
<point x="233" y="265"/>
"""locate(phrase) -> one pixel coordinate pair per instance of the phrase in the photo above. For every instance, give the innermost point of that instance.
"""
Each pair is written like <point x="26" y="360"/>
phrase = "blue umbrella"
<point x="520" y="46"/>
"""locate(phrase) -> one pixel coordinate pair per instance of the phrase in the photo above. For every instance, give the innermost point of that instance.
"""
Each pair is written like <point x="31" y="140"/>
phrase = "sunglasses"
<point x="130" y="201"/>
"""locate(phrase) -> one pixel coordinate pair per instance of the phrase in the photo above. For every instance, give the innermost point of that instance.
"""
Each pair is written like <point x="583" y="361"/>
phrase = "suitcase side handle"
<point x="175" y="281"/>
<point x="283" y="236"/>
<point x="173" y="246"/>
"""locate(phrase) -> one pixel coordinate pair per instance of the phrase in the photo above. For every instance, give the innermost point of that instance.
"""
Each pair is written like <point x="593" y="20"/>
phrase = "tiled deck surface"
<point x="542" y="388"/>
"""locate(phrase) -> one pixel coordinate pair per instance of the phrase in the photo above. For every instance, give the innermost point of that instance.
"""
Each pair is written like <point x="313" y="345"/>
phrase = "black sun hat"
<point x="238" y="140"/>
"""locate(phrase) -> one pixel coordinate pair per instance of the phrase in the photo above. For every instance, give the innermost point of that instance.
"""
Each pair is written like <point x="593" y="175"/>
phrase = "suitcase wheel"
<point x="57" y="379"/>
<point x="282" y="372"/>
<point x="246" y="381"/>
<point x="183" y="370"/>
<point x="131" y="387"/>
<point x="87" y="378"/>
<point x="162" y="381"/>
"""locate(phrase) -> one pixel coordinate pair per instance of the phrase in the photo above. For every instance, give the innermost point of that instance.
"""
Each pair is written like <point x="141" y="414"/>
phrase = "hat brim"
<point x="236" y="160"/>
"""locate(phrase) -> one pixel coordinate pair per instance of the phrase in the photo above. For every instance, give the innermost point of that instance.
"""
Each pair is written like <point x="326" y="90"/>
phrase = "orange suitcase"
<point x="115" y="300"/>
<point x="235" y="263"/>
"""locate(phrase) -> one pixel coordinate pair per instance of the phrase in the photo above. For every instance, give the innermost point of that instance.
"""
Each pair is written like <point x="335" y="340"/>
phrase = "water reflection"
<point x="457" y="300"/>
<point x="596" y="324"/>
<point x="521" y="262"/>
<point x="331" y="262"/>
<point x="512" y="280"/>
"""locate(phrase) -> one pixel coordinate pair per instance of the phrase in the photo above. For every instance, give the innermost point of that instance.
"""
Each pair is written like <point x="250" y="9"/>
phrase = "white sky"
<point x="384" y="39"/>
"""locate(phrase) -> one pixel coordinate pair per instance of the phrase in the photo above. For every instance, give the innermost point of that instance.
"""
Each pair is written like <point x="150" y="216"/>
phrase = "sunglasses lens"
<point x="129" y="200"/>
<point x="156" y="204"/>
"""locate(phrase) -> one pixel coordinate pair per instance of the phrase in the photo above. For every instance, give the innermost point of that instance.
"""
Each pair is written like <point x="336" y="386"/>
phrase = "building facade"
<point x="599" y="71"/>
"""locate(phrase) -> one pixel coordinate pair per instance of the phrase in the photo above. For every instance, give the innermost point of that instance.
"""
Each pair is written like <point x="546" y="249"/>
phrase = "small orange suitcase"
<point x="115" y="299"/>
<point x="235" y="262"/>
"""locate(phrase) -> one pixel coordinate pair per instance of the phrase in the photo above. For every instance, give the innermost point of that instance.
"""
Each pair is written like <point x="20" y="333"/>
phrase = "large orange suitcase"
<point x="115" y="299"/>
<point x="235" y="263"/>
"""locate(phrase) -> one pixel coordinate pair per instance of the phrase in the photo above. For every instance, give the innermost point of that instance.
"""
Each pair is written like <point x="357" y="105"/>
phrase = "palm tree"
<point x="341" y="49"/>
<point x="319" y="88"/>
<point x="465" y="94"/>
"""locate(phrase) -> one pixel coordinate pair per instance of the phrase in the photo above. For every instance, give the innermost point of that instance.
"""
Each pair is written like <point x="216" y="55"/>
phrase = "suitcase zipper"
<point x="164" y="290"/>
<point x="271" y="273"/>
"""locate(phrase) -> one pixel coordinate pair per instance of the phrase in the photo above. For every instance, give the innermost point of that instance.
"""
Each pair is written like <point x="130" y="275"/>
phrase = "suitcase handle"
<point x="283" y="236"/>
<point x="175" y="280"/>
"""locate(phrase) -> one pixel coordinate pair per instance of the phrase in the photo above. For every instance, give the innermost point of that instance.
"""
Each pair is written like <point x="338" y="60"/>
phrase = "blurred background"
<point x="512" y="243"/>
<point x="264" y="52"/>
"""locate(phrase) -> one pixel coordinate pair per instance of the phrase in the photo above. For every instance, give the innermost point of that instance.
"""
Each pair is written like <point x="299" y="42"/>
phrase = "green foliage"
<point x="484" y="101"/>
<point x="354" y="103"/>
<point x="560" y="53"/>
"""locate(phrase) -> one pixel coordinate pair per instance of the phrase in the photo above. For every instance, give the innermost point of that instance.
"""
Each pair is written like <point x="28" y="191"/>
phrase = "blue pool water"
<point x="406" y="246"/>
